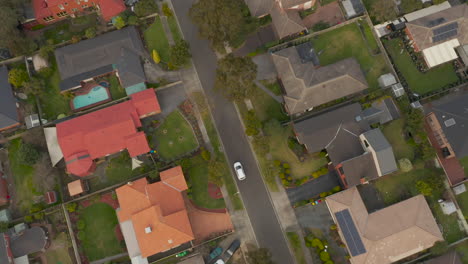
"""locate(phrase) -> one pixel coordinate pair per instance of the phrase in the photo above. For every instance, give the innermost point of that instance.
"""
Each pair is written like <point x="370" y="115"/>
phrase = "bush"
<point x="166" y="10"/>
<point x="206" y="155"/>
<point x="336" y="189"/>
<point x="75" y="39"/>
<point x="286" y="165"/>
<point x="80" y="224"/>
<point x="424" y="188"/>
<point x="324" y="256"/>
<point x="317" y="243"/>
<point x="133" y="20"/>
<point x="405" y="165"/>
<point x="323" y="194"/>
<point x="38" y="216"/>
<point x="28" y="219"/>
<point x="17" y="77"/>
<point x="321" y="25"/>
<point x="333" y="227"/>
<point x="277" y="163"/>
<point x="27" y="154"/>
<point x="252" y="123"/>
<point x="119" y="22"/>
<point x="45" y="51"/>
<point x="322" y="154"/>
<point x="145" y="8"/>
<point x="90" y="32"/>
<point x="71" y="207"/>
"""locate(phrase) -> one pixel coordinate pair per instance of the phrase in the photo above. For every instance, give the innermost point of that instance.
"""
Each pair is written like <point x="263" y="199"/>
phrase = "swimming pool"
<point x="95" y="95"/>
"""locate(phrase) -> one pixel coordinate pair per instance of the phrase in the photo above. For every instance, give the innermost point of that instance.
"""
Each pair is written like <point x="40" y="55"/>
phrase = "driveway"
<point x="252" y="190"/>
<point x="170" y="98"/>
<point x="264" y="35"/>
<point x="313" y="188"/>
<point x="265" y="68"/>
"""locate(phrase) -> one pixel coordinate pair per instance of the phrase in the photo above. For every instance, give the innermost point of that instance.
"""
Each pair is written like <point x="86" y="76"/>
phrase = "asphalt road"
<point x="253" y="191"/>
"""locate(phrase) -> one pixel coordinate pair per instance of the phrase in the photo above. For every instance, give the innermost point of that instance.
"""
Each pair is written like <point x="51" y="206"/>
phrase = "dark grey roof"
<point x="381" y="111"/>
<point x="104" y="51"/>
<point x="383" y="150"/>
<point x="307" y="53"/>
<point x="3" y="250"/>
<point x="8" y="109"/>
<point x="130" y="70"/>
<point x="344" y="146"/>
<point x="75" y="80"/>
<point x="319" y="132"/>
<point x="30" y="241"/>
<point x="359" y="167"/>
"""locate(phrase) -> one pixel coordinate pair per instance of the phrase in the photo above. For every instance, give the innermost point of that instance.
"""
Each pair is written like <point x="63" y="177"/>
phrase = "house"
<point x="82" y="140"/>
<point x="153" y="216"/>
<point x="384" y="236"/>
<point x="381" y="112"/>
<point x="307" y="86"/>
<point x="438" y="35"/>
<point x="9" y="115"/>
<point x="447" y="128"/>
<point x="118" y="52"/>
<point x="77" y="187"/>
<point x="46" y="12"/>
<point x="20" y="241"/>
<point x="451" y="257"/>
<point x="358" y="153"/>
<point x="284" y="14"/>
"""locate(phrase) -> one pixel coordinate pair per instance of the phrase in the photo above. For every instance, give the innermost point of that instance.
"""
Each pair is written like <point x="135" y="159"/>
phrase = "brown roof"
<point x="159" y="206"/>
<point x="307" y="86"/>
<point x="392" y="233"/>
<point x="75" y="187"/>
<point x="260" y="8"/>
<point x="360" y="167"/>
<point x="286" y="22"/>
<point x="421" y="30"/>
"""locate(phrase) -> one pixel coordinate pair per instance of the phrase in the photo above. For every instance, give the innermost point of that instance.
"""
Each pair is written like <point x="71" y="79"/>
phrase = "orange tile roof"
<point x="75" y="187"/>
<point x="161" y="207"/>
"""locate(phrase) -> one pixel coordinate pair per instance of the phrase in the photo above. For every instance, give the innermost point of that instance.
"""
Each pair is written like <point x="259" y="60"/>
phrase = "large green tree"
<point x="145" y="7"/>
<point x="180" y="53"/>
<point x="34" y="86"/>
<point x="235" y="77"/>
<point x="219" y="21"/>
<point x="383" y="10"/>
<point x="18" y="77"/>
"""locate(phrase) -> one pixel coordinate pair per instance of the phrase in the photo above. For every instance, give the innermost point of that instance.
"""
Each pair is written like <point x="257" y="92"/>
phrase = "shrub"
<point x="317" y="243"/>
<point x="17" y="77"/>
<point x="75" y="39"/>
<point x="324" y="256"/>
<point x="424" y="188"/>
<point x="71" y="207"/>
<point x="282" y="175"/>
<point x="315" y="174"/>
<point x="133" y="20"/>
<point x="28" y="219"/>
<point x="39" y="216"/>
<point x="336" y="189"/>
<point x="329" y="262"/>
<point x="80" y="224"/>
<point x="145" y="7"/>
<point x="166" y="10"/>
<point x="322" y="154"/>
<point x="287" y="171"/>
<point x="36" y="208"/>
<point x="119" y="22"/>
<point x="333" y="227"/>
<point x="405" y="165"/>
<point x="27" y="154"/>
<point x="321" y="25"/>
<point x="155" y="56"/>
<point x="206" y="155"/>
<point x="45" y="51"/>
<point x="323" y="194"/>
<point x="277" y="163"/>
<point x="286" y="165"/>
<point x="90" y="32"/>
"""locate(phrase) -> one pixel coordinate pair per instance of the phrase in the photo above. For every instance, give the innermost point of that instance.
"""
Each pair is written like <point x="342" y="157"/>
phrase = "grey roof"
<point x="286" y="22"/>
<point x="353" y="8"/>
<point x="307" y="53"/>
<point x="8" y="110"/>
<point x="307" y="86"/>
<point x="96" y="55"/>
<point x="319" y="132"/>
<point x="359" y="167"/>
<point x="383" y="150"/>
<point x="75" y="80"/>
<point x="463" y="52"/>
<point x="381" y="111"/>
<point x="30" y="241"/>
<point x="130" y="69"/>
<point x="3" y="250"/>
<point x="386" y="80"/>
<point x="345" y="145"/>
<point x="452" y="113"/>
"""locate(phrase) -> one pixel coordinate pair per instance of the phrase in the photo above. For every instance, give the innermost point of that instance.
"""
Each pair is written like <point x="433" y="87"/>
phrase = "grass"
<point x="346" y="42"/>
<point x="175" y="137"/>
<point x="370" y="38"/>
<point x="462" y="250"/>
<point x="53" y="103"/>
<point x="266" y="107"/>
<point x="295" y="243"/>
<point x="156" y="39"/>
<point x="418" y="82"/>
<point x="22" y="176"/>
<point x="116" y="90"/>
<point x="174" y="28"/>
<point x="394" y="134"/>
<point x="59" y="253"/>
<point x="273" y="86"/>
<point x="462" y="200"/>
<point x="198" y="179"/>
<point x="464" y="163"/>
<point x="100" y="239"/>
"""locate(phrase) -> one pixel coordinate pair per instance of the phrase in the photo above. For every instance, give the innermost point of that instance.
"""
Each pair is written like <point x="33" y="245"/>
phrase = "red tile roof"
<point x="105" y="132"/>
<point x="144" y="102"/>
<point x="111" y="8"/>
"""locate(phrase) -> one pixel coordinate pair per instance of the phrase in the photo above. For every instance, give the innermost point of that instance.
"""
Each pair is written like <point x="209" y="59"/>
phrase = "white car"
<point x="239" y="171"/>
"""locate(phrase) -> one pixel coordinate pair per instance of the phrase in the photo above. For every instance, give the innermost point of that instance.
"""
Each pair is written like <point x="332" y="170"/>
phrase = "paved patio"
<point x="170" y="98"/>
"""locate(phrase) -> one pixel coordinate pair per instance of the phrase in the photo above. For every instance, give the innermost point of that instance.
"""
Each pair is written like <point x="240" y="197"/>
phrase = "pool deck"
<point x="85" y="90"/>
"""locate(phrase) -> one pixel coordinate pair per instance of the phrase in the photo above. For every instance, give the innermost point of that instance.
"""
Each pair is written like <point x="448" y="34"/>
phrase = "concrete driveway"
<point x="265" y="68"/>
<point x="170" y="98"/>
<point x="313" y="188"/>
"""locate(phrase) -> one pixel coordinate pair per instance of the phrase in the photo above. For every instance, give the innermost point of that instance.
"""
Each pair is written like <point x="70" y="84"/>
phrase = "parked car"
<point x="231" y="250"/>
<point x="239" y="171"/>
<point x="215" y="253"/>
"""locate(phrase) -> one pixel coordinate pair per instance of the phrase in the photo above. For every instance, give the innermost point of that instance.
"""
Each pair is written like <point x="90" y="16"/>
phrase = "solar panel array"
<point x="435" y="22"/>
<point x="445" y="32"/>
<point x="352" y="237"/>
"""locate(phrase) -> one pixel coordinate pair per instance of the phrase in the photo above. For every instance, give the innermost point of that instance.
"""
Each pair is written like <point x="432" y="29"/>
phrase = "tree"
<point x="383" y="10"/>
<point x="18" y="76"/>
<point x="235" y="77"/>
<point x="408" y="6"/>
<point x="219" y="21"/>
<point x="424" y="188"/>
<point x="259" y="256"/>
<point x="90" y="32"/>
<point x="180" y="53"/>
<point x="34" y="86"/>
<point x="321" y="25"/>
<point x="156" y="57"/>
<point x="28" y="219"/>
<point x="206" y="155"/>
<point x="45" y="51"/>
<point x="71" y="207"/>
<point x="119" y="22"/>
<point x="428" y="152"/>
<point x="133" y="20"/>
<point x="145" y="8"/>
<point x="439" y="248"/>
<point x="27" y="154"/>
<point x="252" y="123"/>
<point x="324" y="256"/>
<point x="166" y="10"/>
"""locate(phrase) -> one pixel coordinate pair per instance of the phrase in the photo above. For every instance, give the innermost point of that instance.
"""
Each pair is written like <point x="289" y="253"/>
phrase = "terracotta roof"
<point x="422" y="32"/>
<point x="157" y="212"/>
<point x="75" y="187"/>
<point x="389" y="234"/>
<point x="146" y="102"/>
<point x="103" y="132"/>
<point x="111" y="8"/>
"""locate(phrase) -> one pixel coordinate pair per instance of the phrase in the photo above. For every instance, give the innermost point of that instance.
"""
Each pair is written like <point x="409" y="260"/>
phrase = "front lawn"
<point x="266" y="107"/>
<point x="273" y="86"/>
<point x="175" y="137"/>
<point x="99" y="239"/>
<point x="394" y="132"/>
<point x="346" y="42"/>
<point x="53" y="103"/>
<point x="418" y="82"/>
<point x="464" y="163"/>
<point x="462" y="200"/>
<point x="156" y="39"/>
<point x="174" y="28"/>
<point x="295" y="243"/>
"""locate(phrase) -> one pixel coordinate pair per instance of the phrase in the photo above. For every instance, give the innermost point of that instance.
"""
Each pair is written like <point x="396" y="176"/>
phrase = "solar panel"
<point x="445" y="35"/>
<point x="445" y="28"/>
<point x="435" y="22"/>
<point x="352" y="237"/>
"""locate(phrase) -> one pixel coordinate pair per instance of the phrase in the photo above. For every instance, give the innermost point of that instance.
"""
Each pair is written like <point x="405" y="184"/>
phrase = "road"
<point x="253" y="191"/>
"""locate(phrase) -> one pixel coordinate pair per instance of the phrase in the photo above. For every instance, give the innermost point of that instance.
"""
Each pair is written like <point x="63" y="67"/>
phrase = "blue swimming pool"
<point x="95" y="95"/>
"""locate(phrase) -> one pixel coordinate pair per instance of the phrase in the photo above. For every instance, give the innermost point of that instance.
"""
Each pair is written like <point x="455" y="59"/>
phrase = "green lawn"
<point x="295" y="243"/>
<point x="394" y="132"/>
<point x="156" y="39"/>
<point x="175" y="137"/>
<point x="23" y="177"/>
<point x="198" y="179"/>
<point x="266" y="107"/>
<point x="273" y="86"/>
<point x="462" y="250"/>
<point x="174" y="28"/>
<point x="464" y="163"/>
<point x="116" y="90"/>
<point x="346" y="42"/>
<point x="53" y="103"/>
<point x="100" y="239"/>
<point x="58" y="254"/>
<point x="418" y="82"/>
<point x="370" y="38"/>
<point x="462" y="200"/>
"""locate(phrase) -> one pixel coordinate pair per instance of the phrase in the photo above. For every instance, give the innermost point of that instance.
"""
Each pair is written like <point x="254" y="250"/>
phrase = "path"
<point x="109" y="259"/>
<point x="277" y="98"/>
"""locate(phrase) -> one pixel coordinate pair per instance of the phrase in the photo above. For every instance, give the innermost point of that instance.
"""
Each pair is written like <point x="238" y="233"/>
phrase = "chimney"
<point x="148" y="230"/>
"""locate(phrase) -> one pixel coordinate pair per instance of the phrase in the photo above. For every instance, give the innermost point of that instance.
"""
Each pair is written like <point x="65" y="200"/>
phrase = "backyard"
<point x="156" y="39"/>
<point x="53" y="103"/>
<point x="394" y="132"/>
<point x="116" y="90"/>
<point x="99" y="239"/>
<point x="348" y="41"/>
<point x="58" y="252"/>
<point x="64" y="31"/>
<point x="418" y="82"/>
<point x="174" y="137"/>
